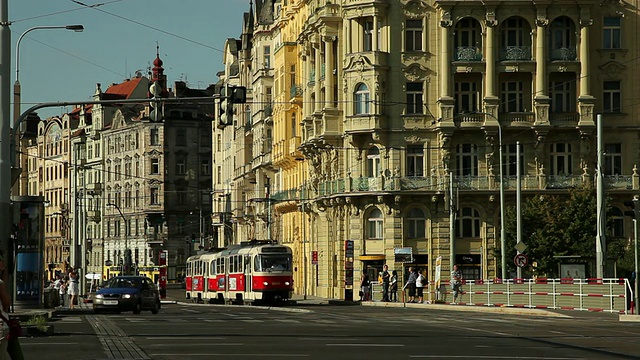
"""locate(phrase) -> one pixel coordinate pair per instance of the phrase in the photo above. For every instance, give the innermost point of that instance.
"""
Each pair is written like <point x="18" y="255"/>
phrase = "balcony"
<point x="95" y="187"/>
<point x="517" y="118"/>
<point x="94" y="215"/>
<point x="364" y="123"/>
<point x="570" y="118"/>
<point x="154" y="238"/>
<point x="312" y="76"/>
<point x="515" y="53"/>
<point x="467" y="53"/>
<point x="295" y="92"/>
<point x="563" y="53"/>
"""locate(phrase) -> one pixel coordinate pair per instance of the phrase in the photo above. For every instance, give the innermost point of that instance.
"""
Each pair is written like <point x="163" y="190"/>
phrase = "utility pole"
<point x="5" y="126"/>
<point x="267" y="195"/>
<point x="600" y="215"/>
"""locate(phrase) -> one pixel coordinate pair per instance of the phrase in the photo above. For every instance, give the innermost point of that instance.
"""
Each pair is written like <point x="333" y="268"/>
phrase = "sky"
<point x="119" y="38"/>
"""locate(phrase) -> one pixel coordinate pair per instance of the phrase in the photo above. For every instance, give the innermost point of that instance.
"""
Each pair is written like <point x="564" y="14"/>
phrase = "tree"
<point x="554" y="225"/>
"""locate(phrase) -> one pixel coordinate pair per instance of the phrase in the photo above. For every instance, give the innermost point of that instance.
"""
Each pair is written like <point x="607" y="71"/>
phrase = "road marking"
<point x="488" y="357"/>
<point x="196" y="344"/>
<point x="27" y="343"/>
<point x="287" y="320"/>
<point x="252" y="321"/>
<point x="328" y="338"/>
<point x="208" y="354"/>
<point x="368" y="345"/>
<point x="199" y="338"/>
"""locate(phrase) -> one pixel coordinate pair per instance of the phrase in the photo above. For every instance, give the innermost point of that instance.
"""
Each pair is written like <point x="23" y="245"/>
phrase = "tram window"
<point x="247" y="264"/>
<point x="213" y="267"/>
<point x="240" y="266"/>
<point x="272" y="263"/>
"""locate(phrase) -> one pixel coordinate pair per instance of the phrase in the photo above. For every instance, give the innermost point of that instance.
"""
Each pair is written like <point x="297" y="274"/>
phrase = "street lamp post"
<point x="17" y="89"/>
<point x="127" y="256"/>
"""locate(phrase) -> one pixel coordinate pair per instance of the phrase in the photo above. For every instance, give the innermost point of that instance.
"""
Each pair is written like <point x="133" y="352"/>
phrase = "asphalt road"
<point x="332" y="332"/>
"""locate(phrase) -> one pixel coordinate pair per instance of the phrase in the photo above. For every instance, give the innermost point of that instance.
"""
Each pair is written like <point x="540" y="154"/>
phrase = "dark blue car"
<point x="127" y="293"/>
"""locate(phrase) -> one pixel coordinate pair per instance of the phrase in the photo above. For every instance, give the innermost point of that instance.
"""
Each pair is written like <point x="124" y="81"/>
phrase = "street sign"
<point x="520" y="247"/>
<point x="520" y="260"/>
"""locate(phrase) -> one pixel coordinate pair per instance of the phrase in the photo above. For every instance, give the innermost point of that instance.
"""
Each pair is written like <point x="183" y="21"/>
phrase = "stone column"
<point x="374" y="46"/>
<point x="584" y="57"/>
<point x="490" y="56"/>
<point x="318" y="57"/>
<point x="328" y="77"/>
<point x="306" y="95"/>
<point x="445" y="101"/>
<point x="541" y="63"/>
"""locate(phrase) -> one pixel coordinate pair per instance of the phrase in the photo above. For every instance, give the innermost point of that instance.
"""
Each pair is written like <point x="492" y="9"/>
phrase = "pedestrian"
<point x="60" y="288"/>
<point x="421" y="283"/>
<point x="364" y="286"/>
<point x="385" y="282"/>
<point x="393" y="286"/>
<point x="73" y="290"/>
<point x="456" y="283"/>
<point x="411" y="284"/>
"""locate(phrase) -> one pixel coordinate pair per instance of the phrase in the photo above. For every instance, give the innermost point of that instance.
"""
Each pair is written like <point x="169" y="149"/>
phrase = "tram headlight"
<point x="287" y="283"/>
<point x="265" y="283"/>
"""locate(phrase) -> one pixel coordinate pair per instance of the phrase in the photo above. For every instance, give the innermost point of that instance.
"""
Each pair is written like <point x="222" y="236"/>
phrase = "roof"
<point x="122" y="90"/>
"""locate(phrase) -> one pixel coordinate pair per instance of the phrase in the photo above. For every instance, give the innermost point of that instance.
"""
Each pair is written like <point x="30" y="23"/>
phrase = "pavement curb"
<point x="471" y="308"/>
<point x="629" y="318"/>
<point x="274" y="308"/>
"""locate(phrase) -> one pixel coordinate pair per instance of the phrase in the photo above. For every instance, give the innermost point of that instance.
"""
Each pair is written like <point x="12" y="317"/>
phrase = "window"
<point x="562" y="100"/>
<point x="294" y="125"/>
<point x="155" y="166"/>
<point x="415" y="161"/>
<point x="361" y="100"/>
<point x="373" y="162"/>
<point x="205" y="167"/>
<point x="562" y="39"/>
<point x="413" y="35"/>
<point x="367" y="35"/>
<point x="617" y="220"/>
<point x="466" y="40"/>
<point x="467" y="159"/>
<point x="513" y="32"/>
<point x="560" y="158"/>
<point x="467" y="96"/>
<point x="414" y="98"/>
<point x="181" y="166"/>
<point x="512" y="96"/>
<point x="181" y="197"/>
<point x="266" y="53"/>
<point x="155" y="196"/>
<point x="468" y="223"/>
<point x="510" y="161"/>
<point x="611" y="33"/>
<point x="155" y="136"/>
<point x="612" y="159"/>
<point x="374" y="224"/>
<point x="416" y="224"/>
<point x="611" y="97"/>
<point x="181" y="137"/>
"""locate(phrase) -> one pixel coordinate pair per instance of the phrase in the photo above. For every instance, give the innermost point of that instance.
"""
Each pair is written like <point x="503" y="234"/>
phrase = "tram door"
<point x="247" y="273"/>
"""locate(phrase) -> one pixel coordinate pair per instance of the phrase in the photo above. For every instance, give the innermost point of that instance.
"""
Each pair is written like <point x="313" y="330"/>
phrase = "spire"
<point x="157" y="72"/>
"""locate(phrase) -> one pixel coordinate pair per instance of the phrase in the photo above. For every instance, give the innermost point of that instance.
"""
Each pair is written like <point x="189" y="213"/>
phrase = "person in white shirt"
<point x="421" y="283"/>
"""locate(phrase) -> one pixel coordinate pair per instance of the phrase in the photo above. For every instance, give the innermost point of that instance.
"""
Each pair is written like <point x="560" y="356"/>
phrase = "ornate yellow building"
<point x="388" y="116"/>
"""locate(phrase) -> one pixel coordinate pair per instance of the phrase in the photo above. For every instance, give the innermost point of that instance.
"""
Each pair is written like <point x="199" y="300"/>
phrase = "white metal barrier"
<point x="604" y="295"/>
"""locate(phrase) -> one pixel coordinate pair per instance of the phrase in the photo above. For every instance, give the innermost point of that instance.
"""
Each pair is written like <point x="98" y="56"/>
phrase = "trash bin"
<point x="51" y="298"/>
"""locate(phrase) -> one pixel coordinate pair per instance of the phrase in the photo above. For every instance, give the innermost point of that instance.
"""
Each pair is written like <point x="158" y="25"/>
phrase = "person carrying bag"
<point x="10" y="330"/>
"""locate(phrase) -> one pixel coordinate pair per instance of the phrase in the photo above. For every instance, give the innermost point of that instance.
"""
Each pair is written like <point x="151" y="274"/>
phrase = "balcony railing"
<point x="312" y="76"/>
<point x="563" y="53"/>
<point x="515" y="53"/>
<point x="468" y="53"/>
<point x="520" y="117"/>
<point x="322" y="71"/>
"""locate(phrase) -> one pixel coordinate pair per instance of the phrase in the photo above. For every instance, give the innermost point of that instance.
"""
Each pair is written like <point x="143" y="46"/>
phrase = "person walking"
<point x="393" y="286"/>
<point x="411" y="284"/>
<point x="73" y="290"/>
<point x="5" y="303"/>
<point x="421" y="283"/>
<point x="60" y="288"/>
<point x="364" y="286"/>
<point x="385" y="282"/>
<point x="456" y="283"/>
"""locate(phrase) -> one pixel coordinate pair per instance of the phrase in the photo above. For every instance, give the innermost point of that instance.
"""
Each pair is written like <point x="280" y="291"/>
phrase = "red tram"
<point x="253" y="270"/>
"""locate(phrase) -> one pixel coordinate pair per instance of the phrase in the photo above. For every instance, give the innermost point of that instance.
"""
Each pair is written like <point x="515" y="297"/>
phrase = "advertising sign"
<point x="403" y="255"/>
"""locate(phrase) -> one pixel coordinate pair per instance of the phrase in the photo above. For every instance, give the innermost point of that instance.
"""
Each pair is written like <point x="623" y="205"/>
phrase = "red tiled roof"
<point x="124" y="89"/>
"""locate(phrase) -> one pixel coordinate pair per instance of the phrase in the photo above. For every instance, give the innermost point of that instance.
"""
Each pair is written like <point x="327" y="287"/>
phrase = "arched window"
<point x="361" y="100"/>
<point x="468" y="225"/>
<point x="374" y="224"/>
<point x="415" y="223"/>
<point x="373" y="162"/>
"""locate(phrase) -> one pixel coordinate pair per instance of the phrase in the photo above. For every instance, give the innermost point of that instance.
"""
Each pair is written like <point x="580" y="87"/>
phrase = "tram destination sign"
<point x="403" y="255"/>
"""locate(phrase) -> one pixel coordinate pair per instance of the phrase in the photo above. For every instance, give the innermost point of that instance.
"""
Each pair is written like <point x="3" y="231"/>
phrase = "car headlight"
<point x="99" y="296"/>
<point x="265" y="283"/>
<point x="126" y="296"/>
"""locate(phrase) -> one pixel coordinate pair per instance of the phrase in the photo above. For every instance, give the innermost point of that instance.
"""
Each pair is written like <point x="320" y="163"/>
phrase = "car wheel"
<point x="137" y="309"/>
<point x="155" y="308"/>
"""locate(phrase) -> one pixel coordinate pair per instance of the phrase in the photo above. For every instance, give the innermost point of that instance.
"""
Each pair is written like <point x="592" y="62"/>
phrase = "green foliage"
<point x="554" y="225"/>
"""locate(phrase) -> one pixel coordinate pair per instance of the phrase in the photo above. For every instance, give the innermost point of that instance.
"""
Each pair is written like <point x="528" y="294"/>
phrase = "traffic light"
<point x="230" y="95"/>
<point x="155" y="108"/>
<point x="193" y="238"/>
<point x="127" y="260"/>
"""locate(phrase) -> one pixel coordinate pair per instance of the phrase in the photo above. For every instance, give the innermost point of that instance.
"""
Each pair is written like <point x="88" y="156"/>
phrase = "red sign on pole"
<point x="162" y="281"/>
<point x="521" y="260"/>
<point x="314" y="257"/>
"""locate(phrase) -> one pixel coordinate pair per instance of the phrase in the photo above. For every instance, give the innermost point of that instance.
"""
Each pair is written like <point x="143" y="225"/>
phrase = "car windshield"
<point x="273" y="263"/>
<point x="122" y="283"/>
